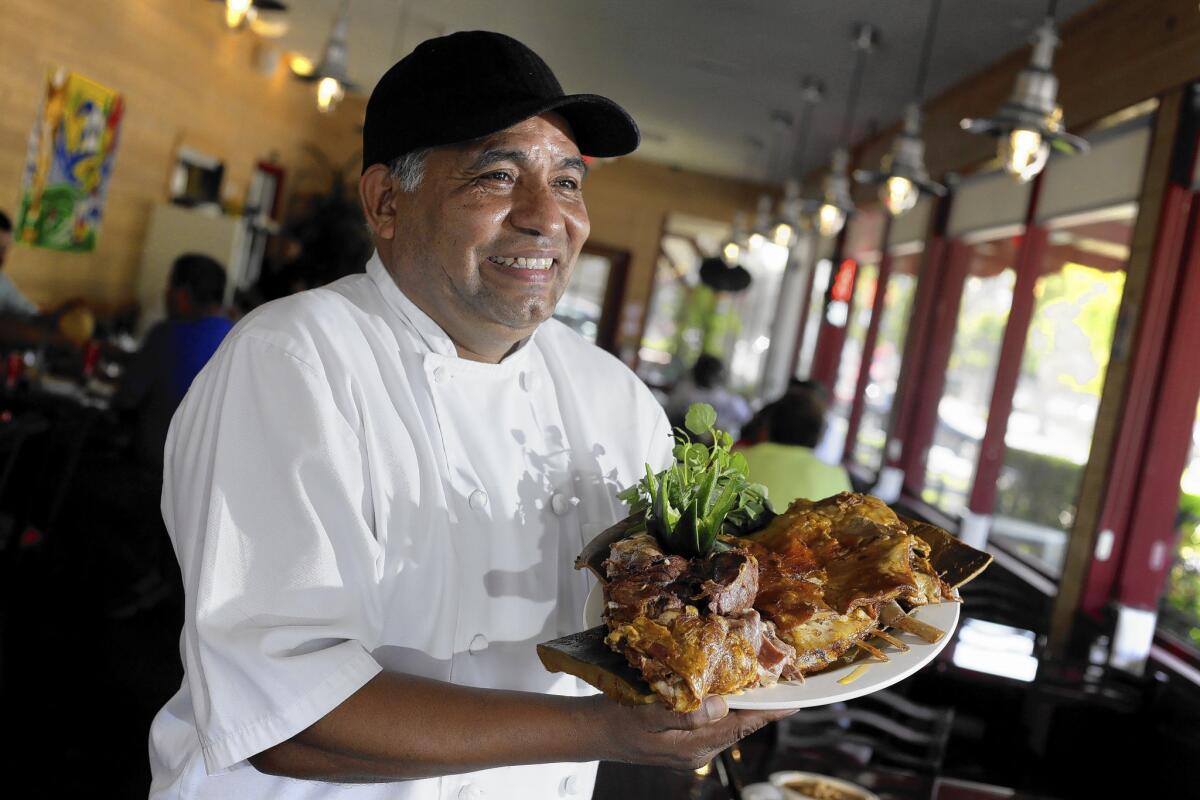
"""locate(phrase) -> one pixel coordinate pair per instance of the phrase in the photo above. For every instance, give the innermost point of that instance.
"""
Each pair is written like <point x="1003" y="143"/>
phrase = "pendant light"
<point x="239" y="13"/>
<point x="737" y="243"/>
<point x="1030" y="123"/>
<point x="903" y="177"/>
<point x="794" y="209"/>
<point x="837" y="203"/>
<point x="330" y="74"/>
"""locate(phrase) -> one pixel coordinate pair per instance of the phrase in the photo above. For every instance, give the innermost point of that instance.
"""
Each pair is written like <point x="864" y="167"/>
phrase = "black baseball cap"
<point x="470" y="84"/>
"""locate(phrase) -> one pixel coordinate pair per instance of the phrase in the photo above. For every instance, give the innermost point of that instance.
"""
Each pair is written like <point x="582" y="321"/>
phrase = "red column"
<point x="1153" y="533"/>
<point x="830" y="337"/>
<point x="920" y="324"/>
<point x="1008" y="370"/>
<point x="1146" y="368"/>
<point x="929" y="382"/>
<point x="864" y="368"/>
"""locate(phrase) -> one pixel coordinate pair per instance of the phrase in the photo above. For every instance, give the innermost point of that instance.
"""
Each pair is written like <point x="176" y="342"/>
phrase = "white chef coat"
<point x="346" y="495"/>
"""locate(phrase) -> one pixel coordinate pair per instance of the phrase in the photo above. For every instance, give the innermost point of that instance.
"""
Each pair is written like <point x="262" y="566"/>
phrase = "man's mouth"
<point x="523" y="263"/>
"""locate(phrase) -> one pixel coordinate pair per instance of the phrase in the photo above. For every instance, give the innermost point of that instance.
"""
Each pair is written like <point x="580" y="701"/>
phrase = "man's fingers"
<point x="738" y="725"/>
<point x="711" y="710"/>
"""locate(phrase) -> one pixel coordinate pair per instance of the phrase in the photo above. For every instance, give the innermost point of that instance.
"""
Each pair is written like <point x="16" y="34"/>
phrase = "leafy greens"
<point x="706" y="491"/>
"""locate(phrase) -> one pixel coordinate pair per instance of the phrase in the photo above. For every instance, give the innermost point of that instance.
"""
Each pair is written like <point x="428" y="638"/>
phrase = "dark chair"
<point x="882" y="729"/>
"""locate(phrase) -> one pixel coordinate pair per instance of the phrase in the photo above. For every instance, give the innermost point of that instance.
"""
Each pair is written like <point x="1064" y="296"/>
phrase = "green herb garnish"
<point x="706" y="491"/>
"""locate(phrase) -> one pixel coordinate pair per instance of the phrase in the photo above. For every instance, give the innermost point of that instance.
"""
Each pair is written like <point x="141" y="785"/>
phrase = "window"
<point x="1181" y="604"/>
<point x="884" y="366"/>
<point x="680" y="312"/>
<point x="1049" y="431"/>
<point x="746" y="350"/>
<point x="823" y="269"/>
<point x="862" y="244"/>
<point x="583" y="301"/>
<point x="963" y="409"/>
<point x="687" y="318"/>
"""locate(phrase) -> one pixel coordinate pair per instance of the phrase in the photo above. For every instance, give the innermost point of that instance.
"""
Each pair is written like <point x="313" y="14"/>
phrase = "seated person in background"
<point x="706" y="384"/>
<point x="174" y="351"/>
<point x="20" y="318"/>
<point x="12" y="301"/>
<point x="781" y="456"/>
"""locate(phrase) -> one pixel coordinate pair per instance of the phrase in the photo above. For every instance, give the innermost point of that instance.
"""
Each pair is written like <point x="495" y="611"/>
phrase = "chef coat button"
<point x="529" y="381"/>
<point x="478" y="644"/>
<point x="478" y="499"/>
<point x="470" y="792"/>
<point x="569" y="786"/>
<point x="439" y="375"/>
<point x="563" y="504"/>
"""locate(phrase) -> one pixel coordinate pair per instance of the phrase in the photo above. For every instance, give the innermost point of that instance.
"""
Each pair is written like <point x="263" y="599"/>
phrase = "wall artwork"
<point x="69" y="163"/>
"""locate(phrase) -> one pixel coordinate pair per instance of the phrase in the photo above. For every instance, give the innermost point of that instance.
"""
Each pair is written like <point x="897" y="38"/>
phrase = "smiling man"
<point x="377" y="489"/>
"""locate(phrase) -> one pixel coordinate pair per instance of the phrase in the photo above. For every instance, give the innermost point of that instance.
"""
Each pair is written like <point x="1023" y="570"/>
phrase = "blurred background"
<point x="964" y="230"/>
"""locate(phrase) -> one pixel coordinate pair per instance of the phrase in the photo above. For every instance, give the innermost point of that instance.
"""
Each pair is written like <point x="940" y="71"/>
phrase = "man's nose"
<point x="535" y="210"/>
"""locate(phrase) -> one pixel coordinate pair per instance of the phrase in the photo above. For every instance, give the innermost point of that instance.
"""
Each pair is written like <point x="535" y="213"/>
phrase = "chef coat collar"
<point x="430" y="333"/>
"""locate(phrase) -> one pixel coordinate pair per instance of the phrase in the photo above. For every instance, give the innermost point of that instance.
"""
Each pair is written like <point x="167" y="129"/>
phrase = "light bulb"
<point x="756" y="241"/>
<point x="730" y="252"/>
<point x="329" y="94"/>
<point x="830" y="219"/>
<point x="898" y="195"/>
<point x="301" y="65"/>
<point x="782" y="234"/>
<point x="235" y="12"/>
<point x="1024" y="153"/>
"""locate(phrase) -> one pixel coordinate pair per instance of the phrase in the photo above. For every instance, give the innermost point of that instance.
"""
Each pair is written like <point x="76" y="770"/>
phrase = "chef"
<point x="376" y="489"/>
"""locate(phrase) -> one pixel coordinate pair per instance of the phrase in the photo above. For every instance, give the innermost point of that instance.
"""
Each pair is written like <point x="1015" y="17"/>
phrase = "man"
<point x="174" y="352"/>
<point x="12" y="301"/>
<point x="785" y="433"/>
<point x="376" y="489"/>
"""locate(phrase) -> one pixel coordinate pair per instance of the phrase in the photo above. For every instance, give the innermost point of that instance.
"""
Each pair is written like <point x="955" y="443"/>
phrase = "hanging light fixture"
<point x="330" y="74"/>
<point x="762" y="222"/>
<point x="782" y="228"/>
<point x="787" y="222"/>
<point x="736" y="244"/>
<point x="1030" y="123"/>
<point x="239" y="13"/>
<point x="903" y="177"/>
<point x="837" y="204"/>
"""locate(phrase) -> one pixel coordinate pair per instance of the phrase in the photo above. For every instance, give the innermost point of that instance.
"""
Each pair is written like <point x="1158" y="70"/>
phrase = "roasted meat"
<point x="686" y="657"/>
<point x="784" y="602"/>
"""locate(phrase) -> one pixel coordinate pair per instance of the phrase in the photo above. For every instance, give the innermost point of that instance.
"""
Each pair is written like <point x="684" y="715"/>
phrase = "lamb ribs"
<point x="784" y="602"/>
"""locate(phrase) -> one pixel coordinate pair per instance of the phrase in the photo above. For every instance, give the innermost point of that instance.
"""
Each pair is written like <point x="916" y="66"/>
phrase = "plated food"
<point x="709" y="592"/>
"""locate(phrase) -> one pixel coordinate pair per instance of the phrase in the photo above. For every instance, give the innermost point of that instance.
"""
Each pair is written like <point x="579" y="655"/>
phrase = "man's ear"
<point x="376" y="190"/>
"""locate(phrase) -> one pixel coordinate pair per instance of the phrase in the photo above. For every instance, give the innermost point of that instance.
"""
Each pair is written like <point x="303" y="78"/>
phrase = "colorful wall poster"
<point x="69" y="163"/>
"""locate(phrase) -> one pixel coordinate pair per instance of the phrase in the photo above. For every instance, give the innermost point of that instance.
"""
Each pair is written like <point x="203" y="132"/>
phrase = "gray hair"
<point x="409" y="169"/>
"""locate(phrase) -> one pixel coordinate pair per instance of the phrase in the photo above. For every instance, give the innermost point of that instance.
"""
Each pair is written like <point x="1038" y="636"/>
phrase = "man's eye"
<point x="568" y="183"/>
<point x="499" y="175"/>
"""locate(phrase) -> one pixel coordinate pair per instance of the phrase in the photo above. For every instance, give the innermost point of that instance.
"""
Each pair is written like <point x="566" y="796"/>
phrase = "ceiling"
<point x="705" y="77"/>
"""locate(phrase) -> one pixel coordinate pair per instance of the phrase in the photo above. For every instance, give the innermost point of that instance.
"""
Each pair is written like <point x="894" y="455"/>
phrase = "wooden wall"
<point x="186" y="81"/>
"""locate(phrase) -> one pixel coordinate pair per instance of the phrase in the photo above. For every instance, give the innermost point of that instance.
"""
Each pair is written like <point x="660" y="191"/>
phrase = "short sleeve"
<point x="265" y="497"/>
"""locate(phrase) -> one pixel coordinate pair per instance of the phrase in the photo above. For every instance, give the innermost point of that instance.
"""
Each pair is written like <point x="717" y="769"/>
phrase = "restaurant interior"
<point x="974" y="225"/>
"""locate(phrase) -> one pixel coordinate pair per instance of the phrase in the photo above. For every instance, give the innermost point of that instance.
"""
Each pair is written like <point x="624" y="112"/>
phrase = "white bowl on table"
<point x="851" y="790"/>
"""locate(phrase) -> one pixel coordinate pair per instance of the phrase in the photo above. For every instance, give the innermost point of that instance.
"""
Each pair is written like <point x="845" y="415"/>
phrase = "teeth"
<point x="522" y="263"/>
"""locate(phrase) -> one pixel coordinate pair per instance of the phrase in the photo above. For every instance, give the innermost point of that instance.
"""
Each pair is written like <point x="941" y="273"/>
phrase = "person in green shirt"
<point x="781" y="455"/>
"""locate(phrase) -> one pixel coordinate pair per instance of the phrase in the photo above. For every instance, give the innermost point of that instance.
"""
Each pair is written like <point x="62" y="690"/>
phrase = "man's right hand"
<point x="656" y="736"/>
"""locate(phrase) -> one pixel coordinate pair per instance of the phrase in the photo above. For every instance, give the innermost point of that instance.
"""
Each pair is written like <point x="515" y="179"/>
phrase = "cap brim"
<point x="601" y="127"/>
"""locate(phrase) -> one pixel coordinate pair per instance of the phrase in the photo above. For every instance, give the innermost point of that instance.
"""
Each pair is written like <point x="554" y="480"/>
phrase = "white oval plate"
<point x="823" y="688"/>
